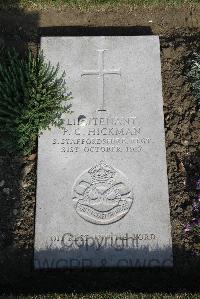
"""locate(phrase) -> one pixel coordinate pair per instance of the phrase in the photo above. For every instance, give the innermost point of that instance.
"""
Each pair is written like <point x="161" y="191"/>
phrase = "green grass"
<point x="89" y="3"/>
<point x="106" y="296"/>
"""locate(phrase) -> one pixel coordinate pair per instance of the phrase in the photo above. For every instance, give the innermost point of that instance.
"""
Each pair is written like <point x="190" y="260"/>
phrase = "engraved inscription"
<point x="100" y="73"/>
<point x="86" y="134"/>
<point x="118" y="241"/>
<point x="102" y="194"/>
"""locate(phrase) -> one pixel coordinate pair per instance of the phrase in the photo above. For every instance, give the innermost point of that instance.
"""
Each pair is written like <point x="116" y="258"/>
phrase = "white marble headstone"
<point x="102" y="192"/>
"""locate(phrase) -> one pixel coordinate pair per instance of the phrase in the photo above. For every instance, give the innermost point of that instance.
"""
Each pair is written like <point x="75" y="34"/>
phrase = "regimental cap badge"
<point x="102" y="194"/>
<point x="102" y="172"/>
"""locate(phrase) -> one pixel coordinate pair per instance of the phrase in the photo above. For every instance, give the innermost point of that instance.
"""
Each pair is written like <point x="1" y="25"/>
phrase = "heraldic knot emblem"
<point x="102" y="194"/>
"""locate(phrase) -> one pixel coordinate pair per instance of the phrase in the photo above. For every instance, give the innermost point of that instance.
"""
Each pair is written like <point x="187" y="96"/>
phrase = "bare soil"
<point x="179" y="31"/>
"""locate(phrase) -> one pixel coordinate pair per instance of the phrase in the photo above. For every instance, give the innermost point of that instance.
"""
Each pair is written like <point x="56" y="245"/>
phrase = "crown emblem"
<point x="102" y="172"/>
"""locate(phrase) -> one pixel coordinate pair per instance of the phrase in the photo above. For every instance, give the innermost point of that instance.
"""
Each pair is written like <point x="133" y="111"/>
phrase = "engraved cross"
<point x="100" y="73"/>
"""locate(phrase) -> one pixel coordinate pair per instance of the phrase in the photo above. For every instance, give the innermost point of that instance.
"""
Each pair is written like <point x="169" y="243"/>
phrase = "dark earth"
<point x="179" y="31"/>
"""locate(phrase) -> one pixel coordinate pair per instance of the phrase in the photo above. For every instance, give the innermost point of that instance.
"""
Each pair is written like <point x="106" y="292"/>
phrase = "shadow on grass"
<point x="24" y="279"/>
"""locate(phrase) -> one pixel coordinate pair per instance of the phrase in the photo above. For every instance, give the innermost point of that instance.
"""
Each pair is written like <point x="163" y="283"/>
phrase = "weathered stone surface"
<point x="102" y="194"/>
